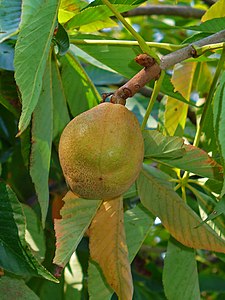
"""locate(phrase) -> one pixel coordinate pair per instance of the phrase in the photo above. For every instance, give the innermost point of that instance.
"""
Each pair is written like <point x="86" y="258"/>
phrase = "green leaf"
<point x="31" y="53"/>
<point x="41" y="143"/>
<point x="137" y="222"/>
<point x="13" y="287"/>
<point x="9" y="18"/>
<point x="60" y="112"/>
<point x="210" y="26"/>
<point x="94" y="12"/>
<point x="123" y="56"/>
<point x="180" y="275"/>
<point x="179" y="219"/>
<point x="196" y="161"/>
<point x="34" y="234"/>
<point x="219" y="119"/>
<point x="8" y="93"/>
<point x="62" y="40"/>
<point x="159" y="146"/>
<point x="82" y="94"/>
<point x="168" y="89"/>
<point x="15" y="254"/>
<point x="211" y="211"/>
<point x="217" y="10"/>
<point x="76" y="217"/>
<point x="176" y="112"/>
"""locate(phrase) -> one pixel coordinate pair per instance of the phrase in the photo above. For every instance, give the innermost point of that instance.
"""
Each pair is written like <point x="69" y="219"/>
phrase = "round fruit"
<point x="101" y="152"/>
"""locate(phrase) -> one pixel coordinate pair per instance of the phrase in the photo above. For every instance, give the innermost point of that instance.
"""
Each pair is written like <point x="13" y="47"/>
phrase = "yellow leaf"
<point x="176" y="111"/>
<point x="217" y="10"/>
<point x="109" y="249"/>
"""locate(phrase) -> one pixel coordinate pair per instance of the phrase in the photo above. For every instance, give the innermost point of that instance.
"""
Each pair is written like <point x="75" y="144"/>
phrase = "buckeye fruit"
<point x="101" y="152"/>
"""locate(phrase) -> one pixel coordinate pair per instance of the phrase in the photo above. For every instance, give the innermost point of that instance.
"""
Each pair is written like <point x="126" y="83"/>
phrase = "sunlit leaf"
<point x="76" y="217"/>
<point x="15" y="254"/>
<point x="137" y="223"/>
<point x="180" y="275"/>
<point x="178" y="218"/>
<point x="196" y="161"/>
<point x="31" y="53"/>
<point x="176" y="111"/>
<point x="94" y="12"/>
<point x="9" y="287"/>
<point x="157" y="145"/>
<point x="217" y="10"/>
<point x="42" y="123"/>
<point x="210" y="26"/>
<point x="82" y="94"/>
<point x="219" y="119"/>
<point x="108" y="247"/>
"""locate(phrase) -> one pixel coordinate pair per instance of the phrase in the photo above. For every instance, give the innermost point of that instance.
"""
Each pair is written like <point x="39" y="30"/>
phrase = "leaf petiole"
<point x="144" y="47"/>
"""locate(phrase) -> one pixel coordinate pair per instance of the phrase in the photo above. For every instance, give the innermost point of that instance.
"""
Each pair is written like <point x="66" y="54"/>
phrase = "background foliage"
<point x="56" y="60"/>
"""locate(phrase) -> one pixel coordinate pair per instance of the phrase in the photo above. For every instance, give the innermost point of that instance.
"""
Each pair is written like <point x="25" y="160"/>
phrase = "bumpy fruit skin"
<point x="101" y="152"/>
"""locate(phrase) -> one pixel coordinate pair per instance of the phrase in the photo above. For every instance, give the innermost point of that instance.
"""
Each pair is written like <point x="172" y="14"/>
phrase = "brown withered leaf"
<point x="108" y="247"/>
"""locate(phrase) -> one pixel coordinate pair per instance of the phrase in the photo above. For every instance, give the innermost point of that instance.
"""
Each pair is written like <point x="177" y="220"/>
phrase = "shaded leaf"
<point x="196" y="161"/>
<point x="217" y="10"/>
<point x="218" y="120"/>
<point x="9" y="18"/>
<point x="82" y="94"/>
<point x="41" y="142"/>
<point x="180" y="275"/>
<point x="137" y="223"/>
<point x="159" y="146"/>
<point x="8" y="93"/>
<point x="34" y="234"/>
<point x="76" y="217"/>
<point x="98" y="288"/>
<point x="62" y="40"/>
<point x="15" y="254"/>
<point x="211" y="212"/>
<point x="11" y="288"/>
<point x="31" y="53"/>
<point x="60" y="112"/>
<point x="108" y="247"/>
<point x="178" y="218"/>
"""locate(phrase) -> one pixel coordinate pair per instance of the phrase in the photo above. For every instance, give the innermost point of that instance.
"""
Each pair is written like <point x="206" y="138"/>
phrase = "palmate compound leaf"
<point x="193" y="159"/>
<point x="137" y="223"/>
<point x="76" y="215"/>
<point x="179" y="219"/>
<point x="15" y="253"/>
<point x="109" y="249"/>
<point x="31" y="53"/>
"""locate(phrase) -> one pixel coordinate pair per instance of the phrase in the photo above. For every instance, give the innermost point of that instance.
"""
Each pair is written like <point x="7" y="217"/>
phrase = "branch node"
<point x="145" y="60"/>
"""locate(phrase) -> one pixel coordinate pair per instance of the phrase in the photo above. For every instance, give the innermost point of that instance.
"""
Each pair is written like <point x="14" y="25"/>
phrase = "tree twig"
<point x="152" y="72"/>
<point x="167" y="10"/>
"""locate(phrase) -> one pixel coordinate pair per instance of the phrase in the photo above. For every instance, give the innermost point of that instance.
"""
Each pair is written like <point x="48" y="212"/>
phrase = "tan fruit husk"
<point x="101" y="151"/>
